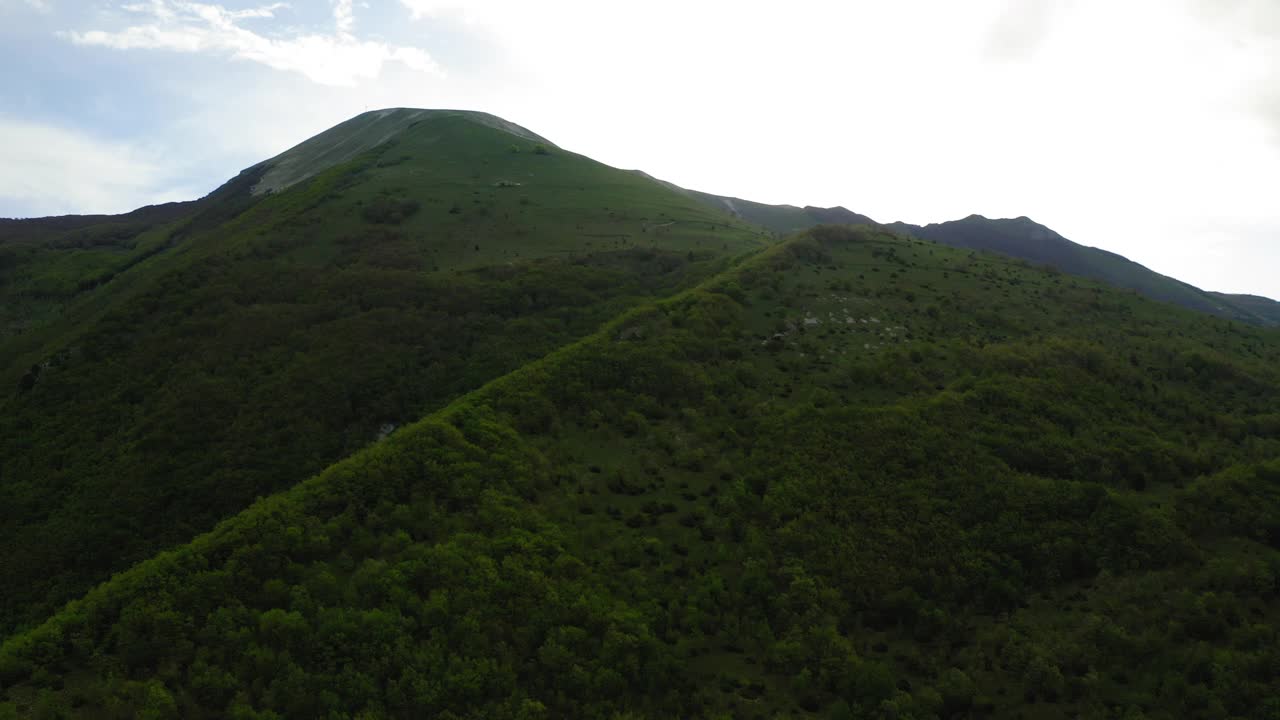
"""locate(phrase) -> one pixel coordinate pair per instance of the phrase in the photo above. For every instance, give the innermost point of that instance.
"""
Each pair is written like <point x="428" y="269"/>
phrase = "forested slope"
<point x="857" y="476"/>
<point x="47" y="263"/>
<point x="243" y="346"/>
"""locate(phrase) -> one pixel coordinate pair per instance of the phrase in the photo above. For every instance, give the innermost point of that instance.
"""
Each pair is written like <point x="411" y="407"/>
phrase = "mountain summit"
<point x="363" y="133"/>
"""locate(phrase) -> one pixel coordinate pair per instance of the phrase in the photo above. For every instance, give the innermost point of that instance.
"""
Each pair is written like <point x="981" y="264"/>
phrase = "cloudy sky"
<point x="1147" y="127"/>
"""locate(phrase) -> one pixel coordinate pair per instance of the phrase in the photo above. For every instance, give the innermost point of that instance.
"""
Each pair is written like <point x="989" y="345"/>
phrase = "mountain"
<point x="1266" y="310"/>
<point x="782" y="219"/>
<point x="164" y="368"/>
<point x="365" y="133"/>
<point x="856" y="475"/>
<point x="778" y="219"/>
<point x="1033" y="242"/>
<point x="1021" y="238"/>
<point x="431" y="417"/>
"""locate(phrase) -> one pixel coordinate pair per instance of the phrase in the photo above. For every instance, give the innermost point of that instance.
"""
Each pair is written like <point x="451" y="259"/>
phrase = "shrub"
<point x="388" y="211"/>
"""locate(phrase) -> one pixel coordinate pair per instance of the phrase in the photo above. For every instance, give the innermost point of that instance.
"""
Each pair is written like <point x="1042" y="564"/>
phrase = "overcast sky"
<point x="1147" y="127"/>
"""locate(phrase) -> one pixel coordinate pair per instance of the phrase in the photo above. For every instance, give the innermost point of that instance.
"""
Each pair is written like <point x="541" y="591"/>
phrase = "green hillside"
<point x="1265" y="309"/>
<point x="783" y="219"/>
<point x="857" y="475"/>
<point x="1031" y="241"/>
<point x="237" y="345"/>
<point x="1021" y="238"/>
<point x="365" y="132"/>
<point x="47" y="262"/>
<point x="778" y="219"/>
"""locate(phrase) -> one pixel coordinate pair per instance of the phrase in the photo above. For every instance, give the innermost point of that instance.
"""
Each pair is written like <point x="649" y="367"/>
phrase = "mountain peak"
<point x="360" y="134"/>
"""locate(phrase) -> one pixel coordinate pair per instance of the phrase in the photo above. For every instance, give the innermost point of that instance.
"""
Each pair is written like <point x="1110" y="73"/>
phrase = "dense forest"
<point x="854" y="475"/>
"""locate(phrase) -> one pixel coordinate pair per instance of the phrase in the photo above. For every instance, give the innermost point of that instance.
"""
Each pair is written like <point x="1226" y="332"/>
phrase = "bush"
<point x="388" y="211"/>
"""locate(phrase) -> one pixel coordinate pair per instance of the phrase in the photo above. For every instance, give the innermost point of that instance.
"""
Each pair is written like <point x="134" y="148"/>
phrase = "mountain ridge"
<point x="1023" y="238"/>
<point x="1033" y="242"/>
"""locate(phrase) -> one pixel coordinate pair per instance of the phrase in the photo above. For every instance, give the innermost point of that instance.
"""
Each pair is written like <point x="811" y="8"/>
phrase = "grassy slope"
<point x="859" y="476"/>
<point x="779" y="219"/>
<point x="274" y="337"/>
<point x="362" y="133"/>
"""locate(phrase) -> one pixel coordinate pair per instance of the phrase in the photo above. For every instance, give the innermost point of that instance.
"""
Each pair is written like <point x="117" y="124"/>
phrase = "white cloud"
<point x="56" y="171"/>
<point x="419" y="9"/>
<point x="40" y="6"/>
<point x="343" y="16"/>
<point x="1022" y="27"/>
<point x="337" y="59"/>
<point x="266" y="11"/>
<point x="1252" y="30"/>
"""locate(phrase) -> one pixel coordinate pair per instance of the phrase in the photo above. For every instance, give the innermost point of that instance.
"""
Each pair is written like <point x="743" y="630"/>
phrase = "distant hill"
<point x="783" y="219"/>
<point x="1033" y="242"/>
<point x="1266" y="310"/>
<point x="46" y="262"/>
<point x="779" y="219"/>
<point x="1021" y="238"/>
<point x="30" y="230"/>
